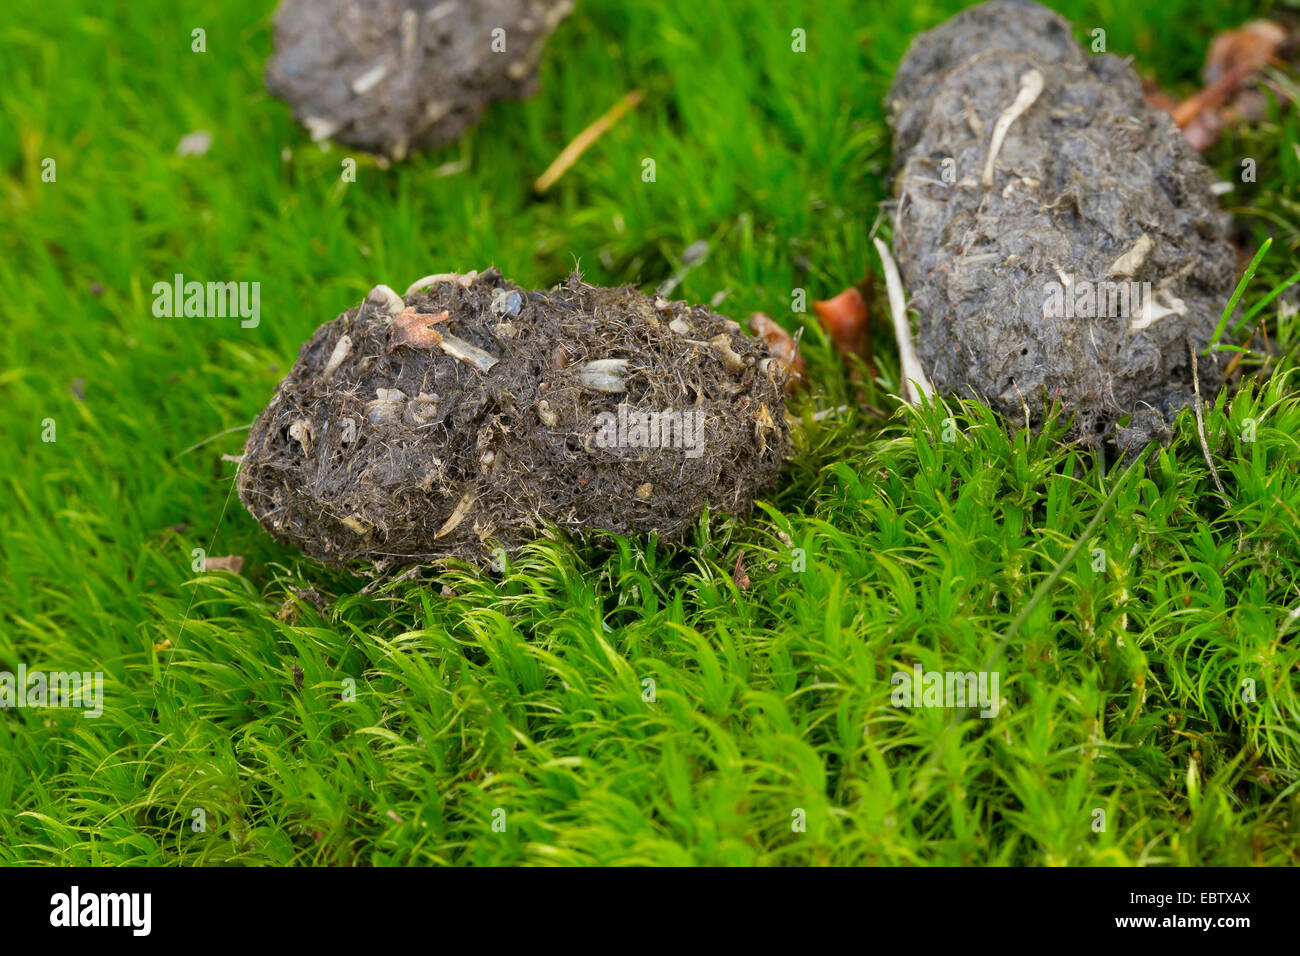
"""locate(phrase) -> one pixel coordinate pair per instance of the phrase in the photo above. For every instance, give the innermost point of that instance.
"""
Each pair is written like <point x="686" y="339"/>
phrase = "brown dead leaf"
<point x="1213" y="96"/>
<point x="784" y="349"/>
<point x="415" y="329"/>
<point x="845" y="320"/>
<point x="738" y="574"/>
<point x="1252" y="46"/>
<point x="1234" y="59"/>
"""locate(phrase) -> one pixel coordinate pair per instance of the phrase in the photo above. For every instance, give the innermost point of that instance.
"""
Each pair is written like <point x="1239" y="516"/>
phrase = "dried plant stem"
<point x="582" y="142"/>
<point x="1205" y="445"/>
<point x="915" y="382"/>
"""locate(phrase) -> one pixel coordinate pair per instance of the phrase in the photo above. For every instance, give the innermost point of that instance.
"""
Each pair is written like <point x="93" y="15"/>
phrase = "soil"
<point x="390" y="76"/>
<point x="473" y="414"/>
<point x="1090" y="186"/>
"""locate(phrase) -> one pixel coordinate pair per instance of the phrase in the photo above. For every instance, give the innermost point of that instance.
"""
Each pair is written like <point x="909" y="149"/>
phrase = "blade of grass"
<point x="1236" y="295"/>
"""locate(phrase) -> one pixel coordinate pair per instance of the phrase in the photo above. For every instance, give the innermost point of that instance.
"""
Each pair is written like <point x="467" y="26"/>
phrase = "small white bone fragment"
<point x="465" y="279"/>
<point x="1031" y="84"/>
<point x="423" y="408"/>
<point x="383" y="296"/>
<point x="368" y="80"/>
<point x="605" y="375"/>
<point x="387" y="407"/>
<point x="320" y="128"/>
<point x="457" y="515"/>
<point x="466" y="352"/>
<point x="302" y="432"/>
<point x="409" y="27"/>
<point x="356" y="525"/>
<point x="342" y="349"/>
<point x="1153" y="312"/>
<point x="1130" y="262"/>
<point x="730" y="358"/>
<point x="506" y="302"/>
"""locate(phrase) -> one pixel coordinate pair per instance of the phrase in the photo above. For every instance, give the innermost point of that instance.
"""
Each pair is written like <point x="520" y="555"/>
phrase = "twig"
<point x="582" y="142"/>
<point x="1212" y="96"/>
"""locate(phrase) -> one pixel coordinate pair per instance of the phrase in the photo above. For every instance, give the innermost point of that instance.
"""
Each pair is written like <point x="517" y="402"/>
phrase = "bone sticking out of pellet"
<point x="457" y="515"/>
<point x="467" y="353"/>
<point x="465" y="279"/>
<point x="1130" y="262"/>
<point x="605" y="375"/>
<point x="386" y="298"/>
<point x="915" y="382"/>
<point x="730" y="359"/>
<point x="1153" y="311"/>
<point x="1031" y="84"/>
<point x="368" y="80"/>
<point x="341" y="351"/>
